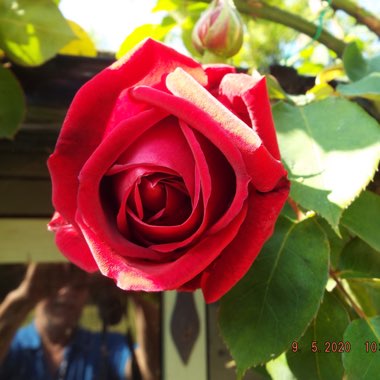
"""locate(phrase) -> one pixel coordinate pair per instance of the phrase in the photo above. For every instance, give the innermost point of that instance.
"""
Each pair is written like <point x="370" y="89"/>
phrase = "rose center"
<point x="160" y="200"/>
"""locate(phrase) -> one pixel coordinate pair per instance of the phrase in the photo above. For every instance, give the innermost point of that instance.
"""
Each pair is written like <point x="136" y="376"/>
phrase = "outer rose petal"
<point x="134" y="274"/>
<point x="237" y="258"/>
<point x="88" y="116"/>
<point x="250" y="92"/>
<point x="72" y="244"/>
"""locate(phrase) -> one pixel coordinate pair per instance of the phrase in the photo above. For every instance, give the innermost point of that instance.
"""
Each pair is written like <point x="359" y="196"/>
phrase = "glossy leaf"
<point x="329" y="326"/>
<point x="337" y="243"/>
<point x="275" y="301"/>
<point x="31" y="32"/>
<point x="12" y="103"/>
<point x="361" y="363"/>
<point x="331" y="149"/>
<point x="363" y="218"/>
<point x="359" y="260"/>
<point x="367" y="87"/>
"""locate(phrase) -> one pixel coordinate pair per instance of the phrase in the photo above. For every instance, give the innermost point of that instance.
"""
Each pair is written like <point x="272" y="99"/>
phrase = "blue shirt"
<point x="86" y="358"/>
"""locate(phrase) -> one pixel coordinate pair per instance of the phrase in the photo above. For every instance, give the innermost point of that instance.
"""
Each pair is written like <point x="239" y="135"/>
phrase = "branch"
<point x="341" y="288"/>
<point x="360" y="14"/>
<point x="258" y="8"/>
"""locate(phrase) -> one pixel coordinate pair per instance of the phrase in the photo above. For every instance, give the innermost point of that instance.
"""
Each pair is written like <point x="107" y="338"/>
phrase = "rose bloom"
<point x="167" y="174"/>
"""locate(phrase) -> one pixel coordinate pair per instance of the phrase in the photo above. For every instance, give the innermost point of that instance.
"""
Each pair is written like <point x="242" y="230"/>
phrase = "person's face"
<point x="63" y="308"/>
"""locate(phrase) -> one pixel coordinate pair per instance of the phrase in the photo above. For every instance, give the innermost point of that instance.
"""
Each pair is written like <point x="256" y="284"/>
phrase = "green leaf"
<point x="329" y="326"/>
<point x="155" y="31"/>
<point x="337" y="243"/>
<point x="355" y="65"/>
<point x="273" y="304"/>
<point x="359" y="260"/>
<point x="367" y="292"/>
<point x="358" y="363"/>
<point x="362" y="218"/>
<point x="12" y="103"/>
<point x="331" y="149"/>
<point x="31" y="32"/>
<point x="279" y="369"/>
<point x="275" y="90"/>
<point x="374" y="64"/>
<point x="166" y="5"/>
<point x="367" y="87"/>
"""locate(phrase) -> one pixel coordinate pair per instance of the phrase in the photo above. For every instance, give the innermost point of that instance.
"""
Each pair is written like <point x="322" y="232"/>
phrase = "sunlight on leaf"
<point x="82" y="45"/>
<point x="155" y="31"/>
<point x="32" y="32"/>
<point x="331" y="149"/>
<point x="362" y="218"/>
<point x="367" y="87"/>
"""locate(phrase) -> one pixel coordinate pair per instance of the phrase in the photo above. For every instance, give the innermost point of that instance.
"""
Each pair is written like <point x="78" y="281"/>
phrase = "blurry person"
<point x="54" y="347"/>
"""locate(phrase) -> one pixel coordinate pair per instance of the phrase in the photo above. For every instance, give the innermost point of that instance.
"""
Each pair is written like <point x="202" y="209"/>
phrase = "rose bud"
<point x="167" y="174"/>
<point x="219" y="30"/>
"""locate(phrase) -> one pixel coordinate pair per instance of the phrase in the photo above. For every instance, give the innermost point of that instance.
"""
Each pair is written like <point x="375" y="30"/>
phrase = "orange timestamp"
<point x="327" y="346"/>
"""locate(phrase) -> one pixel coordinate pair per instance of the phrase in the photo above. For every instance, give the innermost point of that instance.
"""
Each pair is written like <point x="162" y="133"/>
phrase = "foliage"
<point x="32" y="32"/>
<point x="311" y="301"/>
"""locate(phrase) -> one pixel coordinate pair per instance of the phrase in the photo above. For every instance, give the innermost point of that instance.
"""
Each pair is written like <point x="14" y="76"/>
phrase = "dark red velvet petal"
<point x="225" y="193"/>
<point x="205" y="114"/>
<point x="248" y="93"/>
<point x="90" y="206"/>
<point x="138" y="274"/>
<point x="237" y="258"/>
<point x="71" y="243"/>
<point x="89" y="114"/>
<point x="164" y="145"/>
<point x="215" y="74"/>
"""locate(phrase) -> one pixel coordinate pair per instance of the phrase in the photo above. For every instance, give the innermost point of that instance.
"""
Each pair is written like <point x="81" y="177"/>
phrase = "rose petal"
<point x="72" y="244"/>
<point x="90" y="207"/>
<point x="165" y="145"/>
<point x="90" y="111"/>
<point x="224" y="192"/>
<point x="215" y="73"/>
<point x="238" y="257"/>
<point x="247" y="93"/>
<point x="207" y="115"/>
<point x="266" y="171"/>
<point x="134" y="274"/>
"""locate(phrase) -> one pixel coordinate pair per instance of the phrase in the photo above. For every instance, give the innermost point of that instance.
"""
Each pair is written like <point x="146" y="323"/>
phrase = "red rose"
<point x="167" y="174"/>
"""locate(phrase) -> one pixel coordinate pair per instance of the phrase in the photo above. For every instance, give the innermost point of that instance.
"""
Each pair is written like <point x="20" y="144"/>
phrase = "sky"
<point x="109" y="22"/>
